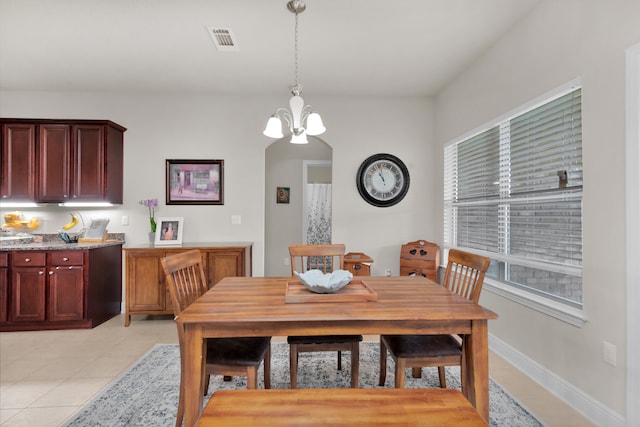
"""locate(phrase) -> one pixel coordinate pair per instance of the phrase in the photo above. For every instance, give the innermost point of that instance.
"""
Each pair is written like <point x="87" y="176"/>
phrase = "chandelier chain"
<point x="296" y="87"/>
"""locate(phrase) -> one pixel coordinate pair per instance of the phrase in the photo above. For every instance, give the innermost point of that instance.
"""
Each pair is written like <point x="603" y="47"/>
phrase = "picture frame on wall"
<point x="282" y="194"/>
<point x="194" y="182"/>
<point x="169" y="231"/>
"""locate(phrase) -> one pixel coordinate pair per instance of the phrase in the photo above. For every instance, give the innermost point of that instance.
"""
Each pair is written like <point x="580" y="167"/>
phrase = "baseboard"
<point x="590" y="408"/>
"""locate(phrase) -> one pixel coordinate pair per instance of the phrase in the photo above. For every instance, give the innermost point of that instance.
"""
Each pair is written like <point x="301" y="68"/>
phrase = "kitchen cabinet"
<point x="67" y="160"/>
<point x="4" y="283"/>
<point x="18" y="161"/>
<point x="146" y="290"/>
<point x="61" y="289"/>
<point x="28" y="287"/>
<point x="65" y="294"/>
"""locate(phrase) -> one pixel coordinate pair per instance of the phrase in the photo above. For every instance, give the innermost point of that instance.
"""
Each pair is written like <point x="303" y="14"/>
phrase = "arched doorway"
<point x="285" y="168"/>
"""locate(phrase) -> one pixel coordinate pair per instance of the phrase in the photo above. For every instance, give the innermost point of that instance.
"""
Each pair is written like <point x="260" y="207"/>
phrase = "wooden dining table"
<point x="257" y="306"/>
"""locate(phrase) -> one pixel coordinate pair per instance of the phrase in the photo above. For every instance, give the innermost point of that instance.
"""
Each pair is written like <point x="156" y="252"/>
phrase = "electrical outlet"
<point x="236" y="219"/>
<point x="287" y="261"/>
<point x="387" y="272"/>
<point x="125" y="220"/>
<point x="609" y="353"/>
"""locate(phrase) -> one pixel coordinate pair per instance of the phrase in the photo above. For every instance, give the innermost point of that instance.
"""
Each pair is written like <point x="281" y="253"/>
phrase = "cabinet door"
<point x="28" y="294"/>
<point x="4" y="293"/>
<point x="65" y="296"/>
<point x="145" y="281"/>
<point x="54" y="155"/>
<point x="223" y="263"/>
<point x="88" y="161"/>
<point x="18" y="161"/>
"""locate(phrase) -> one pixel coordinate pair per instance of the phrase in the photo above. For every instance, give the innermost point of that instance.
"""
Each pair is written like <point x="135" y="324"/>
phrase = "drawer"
<point x="28" y="259"/>
<point x="4" y="259"/>
<point x="59" y="258"/>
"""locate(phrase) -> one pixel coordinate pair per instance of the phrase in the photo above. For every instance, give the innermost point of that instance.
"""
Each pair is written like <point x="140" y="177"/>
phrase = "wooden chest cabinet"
<point x="420" y="258"/>
<point x="146" y="290"/>
<point x="59" y="289"/>
<point x="358" y="263"/>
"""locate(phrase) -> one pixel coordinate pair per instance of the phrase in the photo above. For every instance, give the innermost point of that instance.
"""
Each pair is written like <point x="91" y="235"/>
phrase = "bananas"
<point x="72" y="223"/>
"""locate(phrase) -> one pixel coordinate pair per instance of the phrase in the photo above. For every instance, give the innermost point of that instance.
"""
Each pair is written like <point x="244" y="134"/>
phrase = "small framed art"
<point x="282" y="194"/>
<point x="195" y="182"/>
<point x="169" y="231"/>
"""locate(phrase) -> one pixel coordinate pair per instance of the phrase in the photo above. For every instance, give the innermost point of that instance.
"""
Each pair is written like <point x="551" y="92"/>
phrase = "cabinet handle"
<point x="40" y="272"/>
<point x="65" y="259"/>
<point x="50" y="272"/>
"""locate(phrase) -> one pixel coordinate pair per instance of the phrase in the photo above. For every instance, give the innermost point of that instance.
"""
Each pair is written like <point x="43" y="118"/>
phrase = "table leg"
<point x="194" y="374"/>
<point x="476" y="367"/>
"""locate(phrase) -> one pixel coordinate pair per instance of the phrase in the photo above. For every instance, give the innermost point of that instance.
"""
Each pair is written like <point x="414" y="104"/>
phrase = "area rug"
<point x="146" y="394"/>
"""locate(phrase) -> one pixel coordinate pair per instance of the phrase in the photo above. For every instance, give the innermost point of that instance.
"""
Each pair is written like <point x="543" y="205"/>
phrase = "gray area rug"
<point x="146" y="394"/>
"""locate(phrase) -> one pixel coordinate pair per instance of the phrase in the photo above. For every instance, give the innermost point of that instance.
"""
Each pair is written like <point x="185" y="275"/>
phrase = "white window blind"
<point x="514" y="192"/>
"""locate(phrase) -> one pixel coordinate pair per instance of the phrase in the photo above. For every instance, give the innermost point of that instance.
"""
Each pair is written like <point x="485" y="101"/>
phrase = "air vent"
<point x="223" y="38"/>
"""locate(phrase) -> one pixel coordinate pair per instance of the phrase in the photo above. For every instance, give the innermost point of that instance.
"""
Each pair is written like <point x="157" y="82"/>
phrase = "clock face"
<point x="382" y="180"/>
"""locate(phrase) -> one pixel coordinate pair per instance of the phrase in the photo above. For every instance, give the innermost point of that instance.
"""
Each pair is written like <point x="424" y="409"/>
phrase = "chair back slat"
<point x="325" y="257"/>
<point x="185" y="278"/>
<point x="465" y="274"/>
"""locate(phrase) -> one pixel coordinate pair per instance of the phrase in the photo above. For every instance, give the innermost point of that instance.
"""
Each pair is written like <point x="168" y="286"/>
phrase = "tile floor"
<point x="45" y="377"/>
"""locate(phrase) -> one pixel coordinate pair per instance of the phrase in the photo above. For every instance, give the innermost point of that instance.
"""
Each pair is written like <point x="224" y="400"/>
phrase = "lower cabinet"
<point x="146" y="290"/>
<point x="65" y="289"/>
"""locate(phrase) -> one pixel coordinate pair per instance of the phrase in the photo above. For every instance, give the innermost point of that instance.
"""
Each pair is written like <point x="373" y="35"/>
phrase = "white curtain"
<point x="318" y="213"/>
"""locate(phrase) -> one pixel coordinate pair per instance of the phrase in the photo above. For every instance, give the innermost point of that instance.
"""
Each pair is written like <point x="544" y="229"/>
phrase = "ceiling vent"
<point x="223" y="38"/>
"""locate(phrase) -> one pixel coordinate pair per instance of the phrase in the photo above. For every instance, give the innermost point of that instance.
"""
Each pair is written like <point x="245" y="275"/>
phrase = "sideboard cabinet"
<point x="146" y="289"/>
<point x="53" y="161"/>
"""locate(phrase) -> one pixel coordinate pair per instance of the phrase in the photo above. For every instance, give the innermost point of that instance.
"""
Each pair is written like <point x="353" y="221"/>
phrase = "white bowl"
<point x="320" y="283"/>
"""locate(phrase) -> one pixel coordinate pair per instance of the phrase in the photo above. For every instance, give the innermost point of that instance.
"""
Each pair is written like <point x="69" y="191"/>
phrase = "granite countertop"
<point x="52" y="242"/>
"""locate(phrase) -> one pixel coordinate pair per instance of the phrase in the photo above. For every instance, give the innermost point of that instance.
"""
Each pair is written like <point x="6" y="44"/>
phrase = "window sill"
<point x="573" y="316"/>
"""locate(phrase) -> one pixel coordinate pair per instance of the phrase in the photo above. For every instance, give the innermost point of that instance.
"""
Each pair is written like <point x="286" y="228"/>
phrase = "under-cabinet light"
<point x="86" y="204"/>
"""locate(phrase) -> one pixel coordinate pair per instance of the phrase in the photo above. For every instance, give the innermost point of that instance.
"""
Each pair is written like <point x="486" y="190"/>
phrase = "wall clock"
<point x="382" y="180"/>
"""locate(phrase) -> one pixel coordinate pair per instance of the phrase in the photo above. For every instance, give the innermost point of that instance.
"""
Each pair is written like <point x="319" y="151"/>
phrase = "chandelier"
<point x="300" y="119"/>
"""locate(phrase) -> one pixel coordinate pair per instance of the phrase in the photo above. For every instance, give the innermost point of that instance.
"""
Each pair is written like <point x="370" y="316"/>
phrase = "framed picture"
<point x="195" y="182"/>
<point x="169" y="231"/>
<point x="282" y="195"/>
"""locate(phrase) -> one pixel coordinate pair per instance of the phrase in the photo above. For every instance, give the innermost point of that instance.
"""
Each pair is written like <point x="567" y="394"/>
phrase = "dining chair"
<point x="326" y="258"/>
<point x="225" y="356"/>
<point x="464" y="276"/>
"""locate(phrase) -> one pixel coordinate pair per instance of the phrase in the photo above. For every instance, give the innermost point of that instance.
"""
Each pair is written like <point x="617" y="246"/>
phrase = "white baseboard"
<point x="586" y="405"/>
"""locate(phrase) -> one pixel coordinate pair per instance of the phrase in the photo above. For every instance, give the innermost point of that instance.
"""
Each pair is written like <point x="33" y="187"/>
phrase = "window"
<point x="513" y="191"/>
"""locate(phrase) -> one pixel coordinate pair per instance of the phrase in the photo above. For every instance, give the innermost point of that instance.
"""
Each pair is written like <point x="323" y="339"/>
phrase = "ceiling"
<point x="349" y="47"/>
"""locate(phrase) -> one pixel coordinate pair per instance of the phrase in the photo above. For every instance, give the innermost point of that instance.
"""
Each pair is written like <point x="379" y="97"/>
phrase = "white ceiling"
<point x="353" y="47"/>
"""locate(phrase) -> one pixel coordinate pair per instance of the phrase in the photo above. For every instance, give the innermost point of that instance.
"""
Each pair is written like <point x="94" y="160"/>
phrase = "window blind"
<point x="514" y="192"/>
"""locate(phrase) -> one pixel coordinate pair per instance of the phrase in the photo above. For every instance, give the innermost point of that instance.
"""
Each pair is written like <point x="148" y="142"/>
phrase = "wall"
<point x="558" y="41"/>
<point x="174" y="126"/>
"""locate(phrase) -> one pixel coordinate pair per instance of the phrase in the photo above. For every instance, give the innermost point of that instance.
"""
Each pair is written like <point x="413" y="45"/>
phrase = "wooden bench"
<point x="340" y="407"/>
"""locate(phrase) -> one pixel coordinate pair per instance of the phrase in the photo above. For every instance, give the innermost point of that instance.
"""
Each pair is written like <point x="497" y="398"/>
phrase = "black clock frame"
<point x="360" y="179"/>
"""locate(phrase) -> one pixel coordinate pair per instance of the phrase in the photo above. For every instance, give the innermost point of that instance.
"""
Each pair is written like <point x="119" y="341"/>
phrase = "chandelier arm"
<point x="284" y="114"/>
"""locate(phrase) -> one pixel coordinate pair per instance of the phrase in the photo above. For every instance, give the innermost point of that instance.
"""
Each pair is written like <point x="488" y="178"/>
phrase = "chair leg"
<point x="355" y="364"/>
<point x="252" y="378"/>
<point x="339" y="361"/>
<point x="206" y="384"/>
<point x="267" y="368"/>
<point x="293" y="365"/>
<point x="400" y="364"/>
<point x="383" y="363"/>
<point x="416" y="372"/>
<point x="442" y="377"/>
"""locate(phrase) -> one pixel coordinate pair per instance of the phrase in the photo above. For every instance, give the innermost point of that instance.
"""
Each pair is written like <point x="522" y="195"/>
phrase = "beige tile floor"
<point x="47" y="376"/>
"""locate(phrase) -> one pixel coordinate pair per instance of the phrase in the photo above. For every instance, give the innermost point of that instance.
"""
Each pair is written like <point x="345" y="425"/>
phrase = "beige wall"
<point x="559" y="41"/>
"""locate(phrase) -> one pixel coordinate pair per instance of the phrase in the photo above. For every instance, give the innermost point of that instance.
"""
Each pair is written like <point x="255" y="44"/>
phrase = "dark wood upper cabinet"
<point x="18" y="160"/>
<point x="54" y="155"/>
<point x="53" y="161"/>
